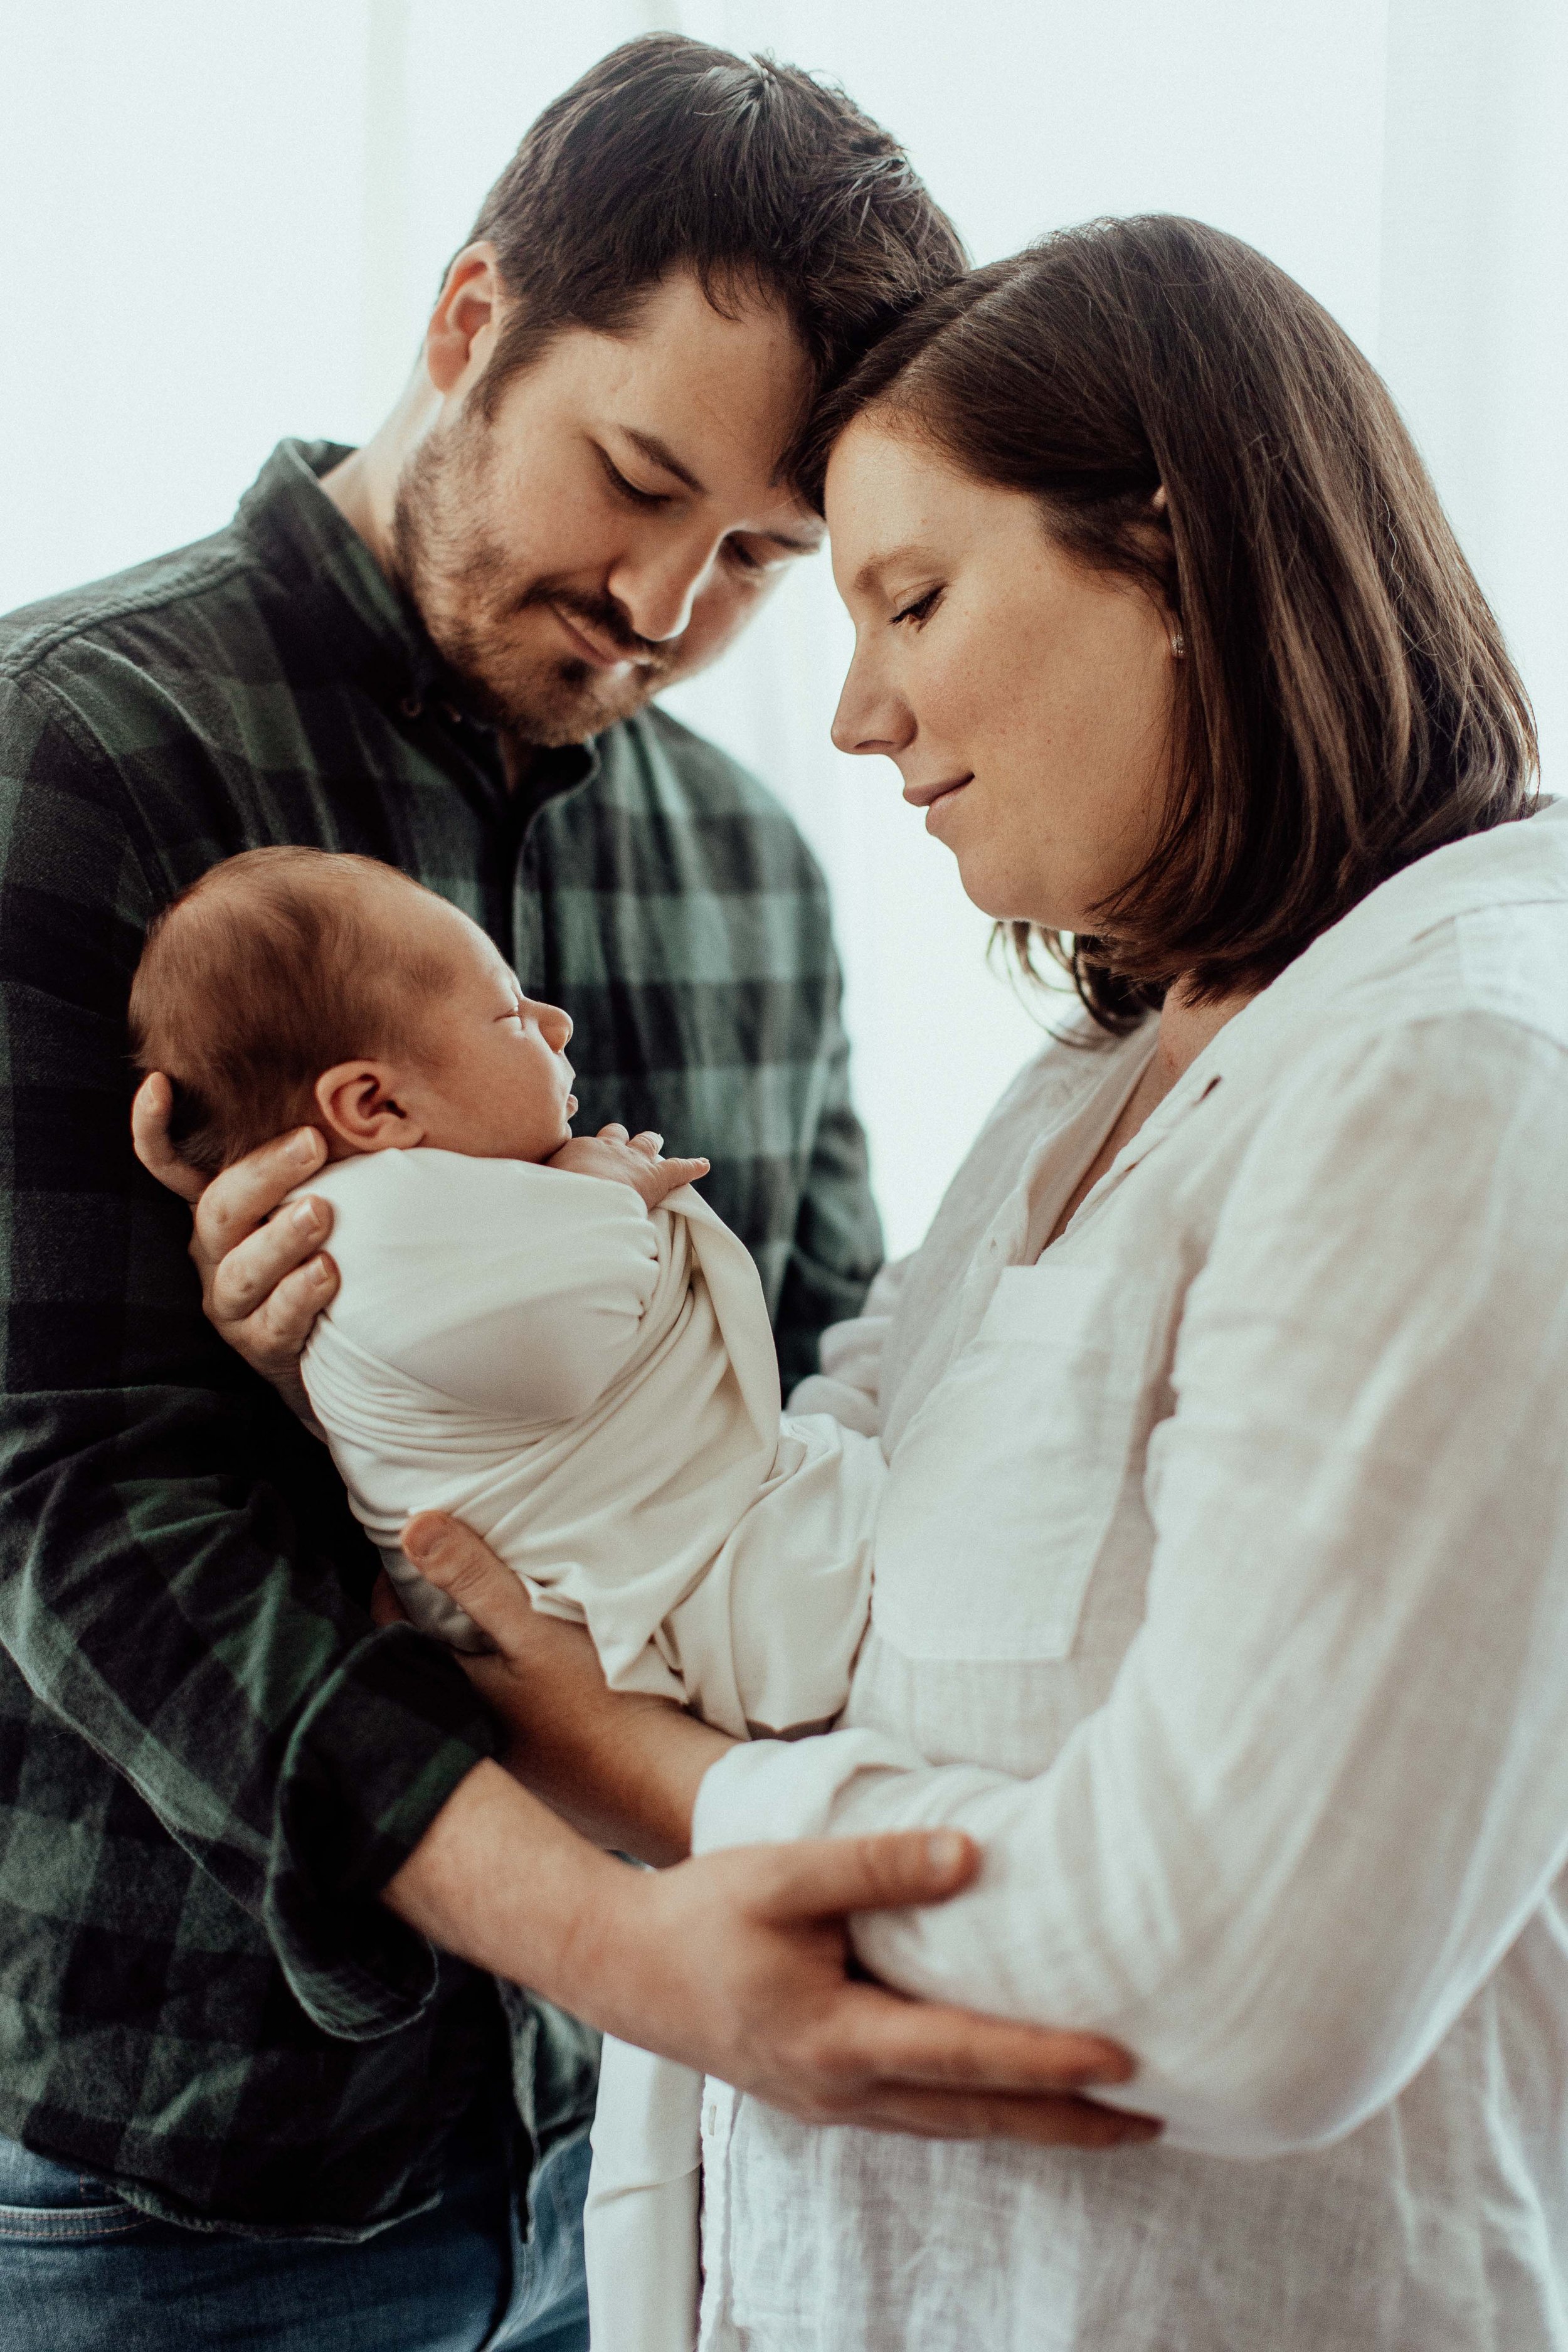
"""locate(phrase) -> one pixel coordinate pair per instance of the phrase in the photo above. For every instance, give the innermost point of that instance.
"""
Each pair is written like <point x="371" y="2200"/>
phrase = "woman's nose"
<point x="870" y="716"/>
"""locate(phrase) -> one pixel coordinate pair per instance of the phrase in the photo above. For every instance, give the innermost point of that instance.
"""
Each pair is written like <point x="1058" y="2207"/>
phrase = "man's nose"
<point x="656" y="587"/>
<point x="870" y="716"/>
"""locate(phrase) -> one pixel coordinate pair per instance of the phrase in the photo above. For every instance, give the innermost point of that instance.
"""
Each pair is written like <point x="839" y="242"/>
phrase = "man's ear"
<point x="359" y="1108"/>
<point x="467" y="317"/>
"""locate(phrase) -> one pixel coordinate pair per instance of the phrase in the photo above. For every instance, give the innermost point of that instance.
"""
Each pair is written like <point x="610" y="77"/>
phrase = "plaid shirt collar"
<point x="342" y="597"/>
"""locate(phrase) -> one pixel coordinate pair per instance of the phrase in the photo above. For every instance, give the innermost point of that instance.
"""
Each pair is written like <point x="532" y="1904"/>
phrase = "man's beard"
<point x="468" y="600"/>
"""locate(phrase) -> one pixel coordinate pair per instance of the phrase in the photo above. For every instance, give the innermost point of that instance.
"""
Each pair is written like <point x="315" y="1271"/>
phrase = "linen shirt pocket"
<point x="1002" y="1493"/>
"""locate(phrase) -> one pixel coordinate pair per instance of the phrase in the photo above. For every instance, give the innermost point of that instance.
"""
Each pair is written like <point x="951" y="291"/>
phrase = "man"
<point x="234" y="2079"/>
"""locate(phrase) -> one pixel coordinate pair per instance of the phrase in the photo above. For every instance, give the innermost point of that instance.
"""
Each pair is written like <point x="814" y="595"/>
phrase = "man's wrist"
<point x="499" y="1880"/>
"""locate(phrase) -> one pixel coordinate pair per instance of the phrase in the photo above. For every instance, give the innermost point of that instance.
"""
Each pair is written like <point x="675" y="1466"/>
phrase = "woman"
<point x="1222" y="1584"/>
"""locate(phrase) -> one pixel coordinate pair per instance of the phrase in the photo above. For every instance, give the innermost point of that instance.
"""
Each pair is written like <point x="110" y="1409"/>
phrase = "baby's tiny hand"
<point x="631" y="1160"/>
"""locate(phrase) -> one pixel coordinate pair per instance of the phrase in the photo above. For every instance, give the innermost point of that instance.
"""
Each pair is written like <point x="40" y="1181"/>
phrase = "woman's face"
<point x="1025" y="697"/>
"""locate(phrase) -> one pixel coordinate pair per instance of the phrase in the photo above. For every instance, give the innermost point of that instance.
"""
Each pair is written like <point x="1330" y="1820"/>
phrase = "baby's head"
<point x="298" y="987"/>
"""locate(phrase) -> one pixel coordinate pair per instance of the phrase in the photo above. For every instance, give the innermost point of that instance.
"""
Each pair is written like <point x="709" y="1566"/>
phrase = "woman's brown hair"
<point x="1345" y="703"/>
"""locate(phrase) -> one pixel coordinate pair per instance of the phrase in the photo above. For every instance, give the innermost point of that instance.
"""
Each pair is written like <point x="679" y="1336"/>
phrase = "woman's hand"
<point x="264" y="1278"/>
<point x="622" y="1768"/>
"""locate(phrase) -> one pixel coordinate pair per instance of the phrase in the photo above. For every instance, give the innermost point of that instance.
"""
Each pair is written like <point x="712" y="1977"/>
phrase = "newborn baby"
<point x="552" y="1338"/>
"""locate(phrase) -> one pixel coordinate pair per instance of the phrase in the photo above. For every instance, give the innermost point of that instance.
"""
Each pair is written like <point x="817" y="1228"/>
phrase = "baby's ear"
<point x="360" y="1110"/>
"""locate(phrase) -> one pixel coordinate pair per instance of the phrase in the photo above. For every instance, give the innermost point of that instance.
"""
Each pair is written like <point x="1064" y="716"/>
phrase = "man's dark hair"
<point x="1346" y="702"/>
<point x="669" y="154"/>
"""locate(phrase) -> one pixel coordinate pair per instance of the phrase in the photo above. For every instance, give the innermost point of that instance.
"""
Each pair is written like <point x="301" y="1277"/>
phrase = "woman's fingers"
<point x="385" y="1607"/>
<point x="150" y="1139"/>
<point x="452" y="1557"/>
<point x="238" y="1201"/>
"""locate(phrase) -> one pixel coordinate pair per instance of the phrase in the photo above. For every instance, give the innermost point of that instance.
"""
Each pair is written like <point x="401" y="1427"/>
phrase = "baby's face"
<point x="488" y="1074"/>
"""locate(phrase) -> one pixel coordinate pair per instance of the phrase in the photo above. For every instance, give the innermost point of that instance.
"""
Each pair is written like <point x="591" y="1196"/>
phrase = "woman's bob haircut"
<point x="1345" y="702"/>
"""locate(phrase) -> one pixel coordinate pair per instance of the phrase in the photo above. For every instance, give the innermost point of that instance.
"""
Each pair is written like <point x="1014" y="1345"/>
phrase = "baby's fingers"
<point x="669" y="1175"/>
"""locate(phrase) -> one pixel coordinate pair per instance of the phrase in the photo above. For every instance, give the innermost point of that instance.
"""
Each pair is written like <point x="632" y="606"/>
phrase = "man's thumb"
<point x="822" y="1877"/>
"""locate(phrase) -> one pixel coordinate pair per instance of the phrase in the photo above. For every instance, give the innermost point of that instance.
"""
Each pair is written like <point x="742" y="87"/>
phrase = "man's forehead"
<point x="713" y="396"/>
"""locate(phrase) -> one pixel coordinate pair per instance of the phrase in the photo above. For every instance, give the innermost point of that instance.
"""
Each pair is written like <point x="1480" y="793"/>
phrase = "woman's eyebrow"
<point x="871" y="570"/>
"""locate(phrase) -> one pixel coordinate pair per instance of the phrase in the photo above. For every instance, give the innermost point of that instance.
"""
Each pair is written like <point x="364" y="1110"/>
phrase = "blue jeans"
<point x="81" y="2272"/>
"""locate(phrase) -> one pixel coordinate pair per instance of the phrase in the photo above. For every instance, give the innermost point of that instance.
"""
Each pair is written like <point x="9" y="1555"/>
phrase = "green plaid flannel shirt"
<point x="210" y="1760"/>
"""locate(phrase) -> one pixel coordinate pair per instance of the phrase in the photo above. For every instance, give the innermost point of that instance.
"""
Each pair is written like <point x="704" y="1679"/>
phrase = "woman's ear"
<point x="360" y="1112"/>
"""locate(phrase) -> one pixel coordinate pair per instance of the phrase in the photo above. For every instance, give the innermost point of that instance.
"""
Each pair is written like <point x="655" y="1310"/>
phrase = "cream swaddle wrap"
<point x="593" y="1388"/>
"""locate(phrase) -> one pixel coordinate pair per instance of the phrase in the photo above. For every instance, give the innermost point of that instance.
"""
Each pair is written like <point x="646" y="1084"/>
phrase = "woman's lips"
<point x="929" y="796"/>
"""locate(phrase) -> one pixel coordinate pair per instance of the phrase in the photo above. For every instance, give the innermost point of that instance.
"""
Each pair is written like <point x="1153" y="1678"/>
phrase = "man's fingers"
<point x="877" y="2035"/>
<point x="282" y="1324"/>
<point x="150" y="1139"/>
<point x="820" y="1878"/>
<point x="1037" y="2122"/>
<point x="451" y="1556"/>
<point x="235" y="1203"/>
<point x="249" y="1275"/>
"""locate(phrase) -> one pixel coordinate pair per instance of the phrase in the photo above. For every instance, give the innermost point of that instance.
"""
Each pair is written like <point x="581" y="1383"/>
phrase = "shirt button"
<point x="411" y="707"/>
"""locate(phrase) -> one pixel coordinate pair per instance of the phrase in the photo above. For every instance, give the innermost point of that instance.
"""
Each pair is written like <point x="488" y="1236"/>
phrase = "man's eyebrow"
<point x="781" y="539"/>
<point x="659" y="453"/>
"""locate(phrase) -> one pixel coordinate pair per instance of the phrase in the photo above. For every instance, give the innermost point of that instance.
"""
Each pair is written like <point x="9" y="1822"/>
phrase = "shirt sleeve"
<point x="848" y="1387"/>
<point x="837" y="1246"/>
<point x="180" y="1581"/>
<point x="1330" y="1784"/>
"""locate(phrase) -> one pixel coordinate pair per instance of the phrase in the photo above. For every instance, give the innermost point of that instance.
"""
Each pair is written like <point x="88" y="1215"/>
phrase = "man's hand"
<point x="264" y="1278"/>
<point x="628" y="1159"/>
<point x="736" y="1964"/>
<point x="740" y="1971"/>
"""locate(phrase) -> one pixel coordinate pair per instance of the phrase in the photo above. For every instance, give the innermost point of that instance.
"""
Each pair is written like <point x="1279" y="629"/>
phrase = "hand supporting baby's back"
<point x="635" y="1161"/>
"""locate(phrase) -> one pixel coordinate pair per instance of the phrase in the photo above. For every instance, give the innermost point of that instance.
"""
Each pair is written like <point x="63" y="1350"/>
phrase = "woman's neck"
<point x="1187" y="1028"/>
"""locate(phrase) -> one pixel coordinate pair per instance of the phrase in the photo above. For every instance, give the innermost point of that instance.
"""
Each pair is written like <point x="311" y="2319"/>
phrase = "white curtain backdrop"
<point x="219" y="225"/>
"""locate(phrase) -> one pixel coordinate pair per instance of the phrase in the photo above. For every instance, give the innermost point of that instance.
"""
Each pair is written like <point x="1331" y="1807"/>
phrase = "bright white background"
<point x="221" y="221"/>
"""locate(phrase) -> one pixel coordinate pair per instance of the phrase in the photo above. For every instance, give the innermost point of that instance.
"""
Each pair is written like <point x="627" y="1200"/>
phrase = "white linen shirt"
<point x="1221" y="1592"/>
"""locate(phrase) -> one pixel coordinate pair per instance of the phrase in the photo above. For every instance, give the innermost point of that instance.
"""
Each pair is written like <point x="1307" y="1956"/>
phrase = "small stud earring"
<point x="1179" y="646"/>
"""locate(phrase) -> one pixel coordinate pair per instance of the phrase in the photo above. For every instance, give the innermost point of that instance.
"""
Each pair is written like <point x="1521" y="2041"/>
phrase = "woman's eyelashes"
<point x="920" y="611"/>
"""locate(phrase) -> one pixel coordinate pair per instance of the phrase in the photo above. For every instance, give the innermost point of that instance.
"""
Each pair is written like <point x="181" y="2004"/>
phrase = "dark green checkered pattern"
<point x="209" y="1759"/>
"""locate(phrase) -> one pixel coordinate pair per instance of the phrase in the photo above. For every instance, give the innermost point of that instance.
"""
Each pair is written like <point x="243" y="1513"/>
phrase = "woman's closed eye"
<point x="920" y="611"/>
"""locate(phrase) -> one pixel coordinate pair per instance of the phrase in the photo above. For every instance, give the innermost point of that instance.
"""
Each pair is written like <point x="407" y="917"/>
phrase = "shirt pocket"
<point x="1001" y="1492"/>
